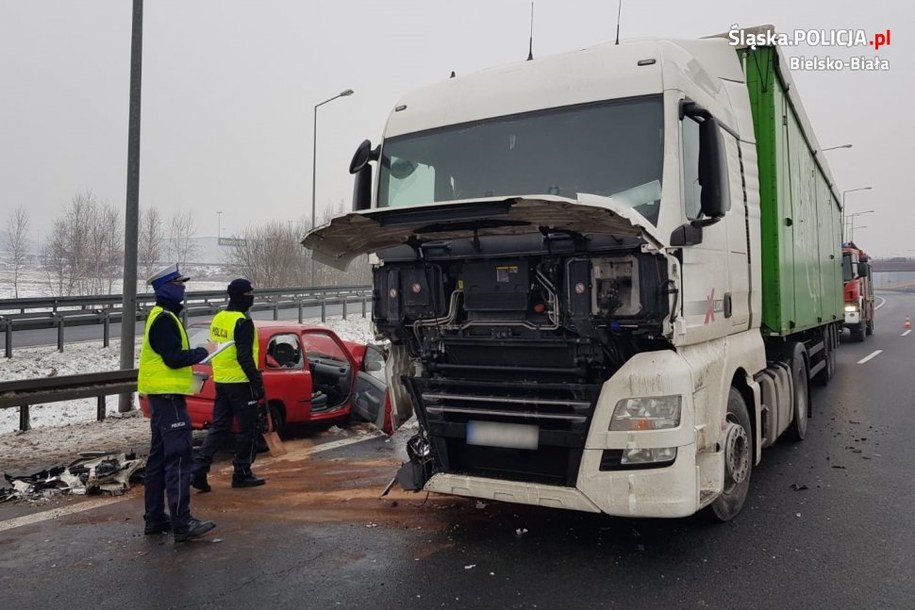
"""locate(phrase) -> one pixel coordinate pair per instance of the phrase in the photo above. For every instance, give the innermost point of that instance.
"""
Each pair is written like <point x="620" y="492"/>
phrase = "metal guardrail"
<point x="26" y="392"/>
<point x="33" y="313"/>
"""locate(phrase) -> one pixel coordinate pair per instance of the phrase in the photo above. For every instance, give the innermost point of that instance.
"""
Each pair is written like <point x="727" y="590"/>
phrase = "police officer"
<point x="165" y="378"/>
<point x="239" y="389"/>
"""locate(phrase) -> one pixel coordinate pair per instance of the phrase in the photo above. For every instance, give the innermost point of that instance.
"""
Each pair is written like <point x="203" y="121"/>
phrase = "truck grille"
<point x="558" y="414"/>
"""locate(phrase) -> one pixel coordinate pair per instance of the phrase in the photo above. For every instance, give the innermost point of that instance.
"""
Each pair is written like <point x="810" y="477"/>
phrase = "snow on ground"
<point x="61" y="430"/>
<point x="35" y="283"/>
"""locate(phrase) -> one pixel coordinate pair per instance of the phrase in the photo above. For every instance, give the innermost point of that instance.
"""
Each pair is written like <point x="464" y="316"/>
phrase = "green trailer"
<point x="801" y="213"/>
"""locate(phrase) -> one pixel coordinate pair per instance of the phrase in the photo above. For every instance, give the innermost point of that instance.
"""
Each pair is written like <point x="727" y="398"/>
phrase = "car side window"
<point x="321" y="345"/>
<point x="373" y="362"/>
<point x="284" y="352"/>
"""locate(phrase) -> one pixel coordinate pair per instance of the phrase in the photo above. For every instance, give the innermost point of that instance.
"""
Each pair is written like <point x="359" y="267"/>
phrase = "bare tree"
<point x="105" y="252"/>
<point x="16" y="230"/>
<point x="182" y="229"/>
<point x="151" y="240"/>
<point x="67" y="253"/>
<point x="271" y="256"/>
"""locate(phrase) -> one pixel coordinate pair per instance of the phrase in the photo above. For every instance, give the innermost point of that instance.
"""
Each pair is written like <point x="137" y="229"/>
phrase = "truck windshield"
<point x="601" y="149"/>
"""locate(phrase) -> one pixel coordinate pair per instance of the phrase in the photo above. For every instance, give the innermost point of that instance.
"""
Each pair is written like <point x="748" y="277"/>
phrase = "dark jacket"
<point x="244" y="344"/>
<point x="165" y="339"/>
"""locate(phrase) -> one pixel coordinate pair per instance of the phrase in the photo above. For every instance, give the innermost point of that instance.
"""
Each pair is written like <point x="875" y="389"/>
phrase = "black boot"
<point x="247" y="479"/>
<point x="157" y="526"/>
<point x="199" y="482"/>
<point x="194" y="528"/>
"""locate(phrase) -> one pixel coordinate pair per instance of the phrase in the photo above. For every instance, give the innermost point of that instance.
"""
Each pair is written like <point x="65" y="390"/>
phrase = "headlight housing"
<point x="850" y="308"/>
<point x="646" y="413"/>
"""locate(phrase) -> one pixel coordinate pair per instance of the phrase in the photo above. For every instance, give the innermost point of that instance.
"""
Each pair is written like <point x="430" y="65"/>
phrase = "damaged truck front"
<point x="569" y="271"/>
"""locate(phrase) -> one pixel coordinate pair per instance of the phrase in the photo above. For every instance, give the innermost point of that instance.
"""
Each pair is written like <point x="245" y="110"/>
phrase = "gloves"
<point x="257" y="391"/>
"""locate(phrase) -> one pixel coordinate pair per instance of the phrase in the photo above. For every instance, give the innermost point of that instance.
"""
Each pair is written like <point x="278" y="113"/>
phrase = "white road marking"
<point x="881" y="304"/>
<point x="56" y="513"/>
<point x="905" y="333"/>
<point x="870" y="356"/>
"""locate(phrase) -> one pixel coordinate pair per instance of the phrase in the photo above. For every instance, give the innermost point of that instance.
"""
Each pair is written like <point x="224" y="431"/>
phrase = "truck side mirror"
<point x="711" y="169"/>
<point x="362" y="187"/>
<point x="712" y="177"/>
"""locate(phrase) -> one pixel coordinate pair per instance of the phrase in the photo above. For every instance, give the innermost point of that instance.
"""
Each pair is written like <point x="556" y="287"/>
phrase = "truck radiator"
<point x="551" y="420"/>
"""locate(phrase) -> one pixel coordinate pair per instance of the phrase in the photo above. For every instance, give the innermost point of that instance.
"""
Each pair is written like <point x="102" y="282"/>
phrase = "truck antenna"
<point x="619" y="11"/>
<point x="530" y="48"/>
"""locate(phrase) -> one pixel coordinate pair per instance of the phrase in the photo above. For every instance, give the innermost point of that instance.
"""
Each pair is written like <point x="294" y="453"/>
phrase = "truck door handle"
<point x="728" y="306"/>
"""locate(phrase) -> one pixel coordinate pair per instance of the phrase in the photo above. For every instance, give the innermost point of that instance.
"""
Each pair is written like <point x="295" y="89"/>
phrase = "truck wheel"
<point x="869" y="328"/>
<point x="795" y="353"/>
<point x="830" y="339"/>
<point x="738" y="459"/>
<point x="857" y="332"/>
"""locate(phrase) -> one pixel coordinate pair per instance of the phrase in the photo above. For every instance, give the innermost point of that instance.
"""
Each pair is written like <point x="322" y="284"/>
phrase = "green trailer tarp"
<point x="801" y="215"/>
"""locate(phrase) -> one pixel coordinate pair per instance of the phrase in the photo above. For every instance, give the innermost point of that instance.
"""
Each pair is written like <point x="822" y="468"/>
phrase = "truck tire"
<point x="857" y="332"/>
<point x="738" y="460"/>
<point x="797" y="361"/>
<point x="830" y="342"/>
<point x="869" y="328"/>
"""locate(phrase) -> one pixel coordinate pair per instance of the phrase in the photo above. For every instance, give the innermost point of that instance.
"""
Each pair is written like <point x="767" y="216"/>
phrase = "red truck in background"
<point x="859" y="291"/>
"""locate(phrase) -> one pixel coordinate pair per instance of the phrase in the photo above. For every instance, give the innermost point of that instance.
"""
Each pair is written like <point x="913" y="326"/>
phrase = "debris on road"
<point x="97" y="473"/>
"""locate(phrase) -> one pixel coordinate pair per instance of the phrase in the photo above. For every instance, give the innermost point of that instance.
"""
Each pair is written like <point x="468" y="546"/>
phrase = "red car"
<point x="310" y="375"/>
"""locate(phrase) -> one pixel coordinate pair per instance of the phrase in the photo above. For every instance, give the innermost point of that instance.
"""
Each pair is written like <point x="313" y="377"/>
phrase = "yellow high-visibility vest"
<point x="155" y="376"/>
<point x="225" y="364"/>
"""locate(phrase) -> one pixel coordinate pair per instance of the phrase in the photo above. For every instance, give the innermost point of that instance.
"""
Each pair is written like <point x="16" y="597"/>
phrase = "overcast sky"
<point x="229" y="89"/>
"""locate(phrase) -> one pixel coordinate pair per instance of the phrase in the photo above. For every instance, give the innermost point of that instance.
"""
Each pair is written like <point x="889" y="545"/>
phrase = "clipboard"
<point x="219" y="349"/>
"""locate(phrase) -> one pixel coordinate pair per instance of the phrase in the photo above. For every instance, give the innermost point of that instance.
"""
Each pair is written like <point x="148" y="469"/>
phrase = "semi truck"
<point x="607" y="277"/>
<point x="859" y="292"/>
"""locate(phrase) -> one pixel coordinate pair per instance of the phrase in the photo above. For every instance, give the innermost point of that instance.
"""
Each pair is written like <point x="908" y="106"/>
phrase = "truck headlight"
<point x="648" y="413"/>
<point x="851" y="308"/>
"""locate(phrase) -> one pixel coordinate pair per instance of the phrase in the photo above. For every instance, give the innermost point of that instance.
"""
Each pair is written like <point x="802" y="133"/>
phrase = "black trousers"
<point x="233" y="401"/>
<point x="170" y="461"/>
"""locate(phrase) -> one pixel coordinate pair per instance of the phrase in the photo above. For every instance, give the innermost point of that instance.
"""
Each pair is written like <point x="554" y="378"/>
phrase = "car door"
<point x="286" y="378"/>
<point x="370" y="388"/>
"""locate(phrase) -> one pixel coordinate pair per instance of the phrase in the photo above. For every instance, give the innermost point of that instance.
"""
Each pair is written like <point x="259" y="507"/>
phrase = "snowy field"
<point x="66" y="428"/>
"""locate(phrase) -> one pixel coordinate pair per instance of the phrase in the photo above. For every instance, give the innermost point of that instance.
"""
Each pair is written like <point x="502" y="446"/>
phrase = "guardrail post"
<point x="100" y="411"/>
<point x="276" y="310"/>
<point x="298" y="302"/>
<point x="24" y="423"/>
<point x="8" y="338"/>
<point x="60" y="333"/>
<point x="363" y="307"/>
<point x="345" y="301"/>
<point x="183" y="317"/>
<point x="106" y="333"/>
<point x="323" y="311"/>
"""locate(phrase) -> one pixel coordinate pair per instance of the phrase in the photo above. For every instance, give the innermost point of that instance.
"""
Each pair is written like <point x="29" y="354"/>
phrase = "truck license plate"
<point x="511" y="436"/>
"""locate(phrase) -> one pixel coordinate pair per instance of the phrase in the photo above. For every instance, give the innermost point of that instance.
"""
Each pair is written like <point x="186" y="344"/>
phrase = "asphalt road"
<point x="828" y="524"/>
<point x="94" y="332"/>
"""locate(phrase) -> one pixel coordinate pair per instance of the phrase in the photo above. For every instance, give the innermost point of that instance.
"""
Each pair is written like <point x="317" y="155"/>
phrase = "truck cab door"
<point x="706" y="265"/>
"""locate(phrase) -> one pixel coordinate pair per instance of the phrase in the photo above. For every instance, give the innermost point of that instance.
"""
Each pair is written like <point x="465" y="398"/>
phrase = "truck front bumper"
<point x="852" y="318"/>
<point x="671" y="491"/>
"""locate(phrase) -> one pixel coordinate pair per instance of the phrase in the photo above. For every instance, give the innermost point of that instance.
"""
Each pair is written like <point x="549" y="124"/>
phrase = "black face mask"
<point x="242" y="302"/>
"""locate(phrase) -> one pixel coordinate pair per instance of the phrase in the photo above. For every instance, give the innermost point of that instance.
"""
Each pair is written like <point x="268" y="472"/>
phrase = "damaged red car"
<point x="311" y="375"/>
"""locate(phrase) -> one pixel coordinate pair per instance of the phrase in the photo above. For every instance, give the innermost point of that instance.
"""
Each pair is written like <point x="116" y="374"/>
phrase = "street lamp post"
<point x="851" y="217"/>
<point x="314" y="164"/>
<point x="860" y="188"/>
<point x="835" y="147"/>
